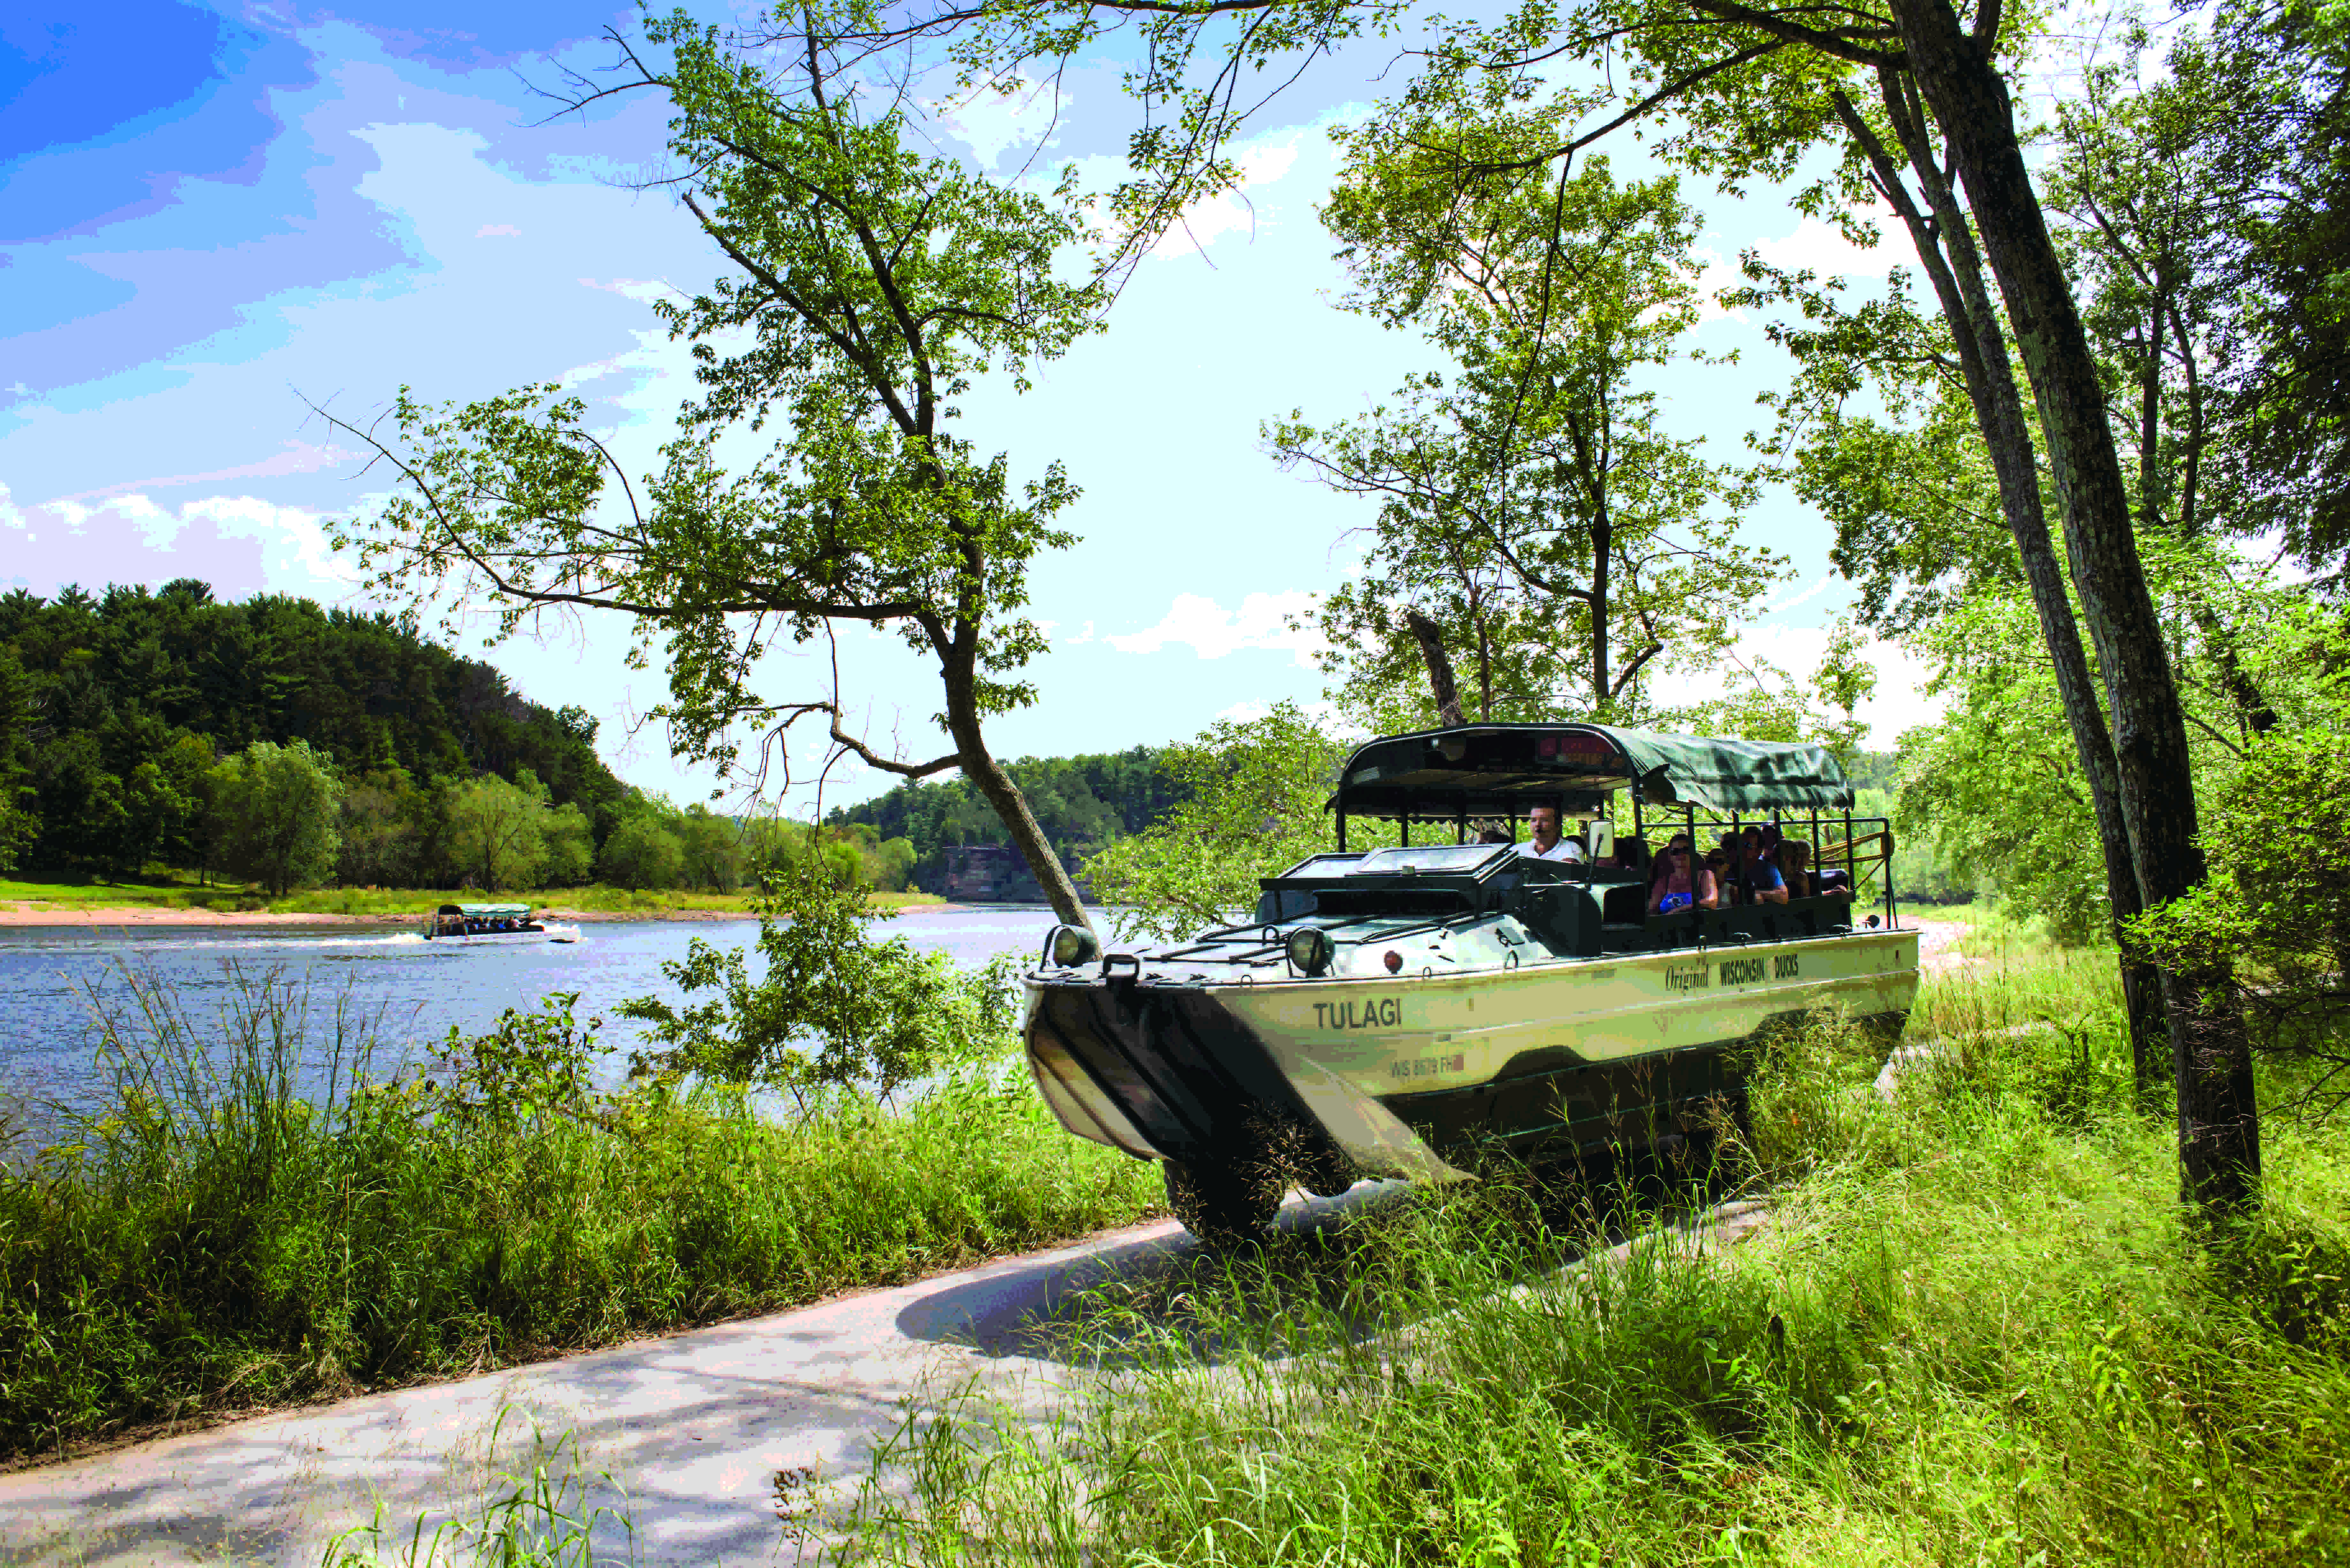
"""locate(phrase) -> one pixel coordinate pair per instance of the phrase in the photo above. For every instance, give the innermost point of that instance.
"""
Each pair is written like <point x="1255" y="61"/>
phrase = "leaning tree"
<point x="820" y="475"/>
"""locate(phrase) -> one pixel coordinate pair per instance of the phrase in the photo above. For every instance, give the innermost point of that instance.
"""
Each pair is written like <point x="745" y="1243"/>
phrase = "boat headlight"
<point x="1309" y="950"/>
<point x="1069" y="946"/>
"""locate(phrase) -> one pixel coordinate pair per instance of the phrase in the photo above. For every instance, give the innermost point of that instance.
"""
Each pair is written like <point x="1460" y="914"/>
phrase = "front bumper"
<point x="1168" y="1071"/>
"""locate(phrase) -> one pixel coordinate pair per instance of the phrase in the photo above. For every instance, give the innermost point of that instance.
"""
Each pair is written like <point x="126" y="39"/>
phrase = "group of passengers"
<point x="1753" y="865"/>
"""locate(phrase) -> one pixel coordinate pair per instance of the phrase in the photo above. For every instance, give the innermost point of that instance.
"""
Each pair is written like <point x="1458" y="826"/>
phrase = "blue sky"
<point x="208" y="215"/>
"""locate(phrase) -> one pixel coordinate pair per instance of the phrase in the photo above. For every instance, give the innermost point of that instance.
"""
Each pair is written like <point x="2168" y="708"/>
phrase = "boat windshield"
<point x="1428" y="858"/>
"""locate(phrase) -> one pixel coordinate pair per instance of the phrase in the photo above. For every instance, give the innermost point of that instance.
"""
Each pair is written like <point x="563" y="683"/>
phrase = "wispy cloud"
<point x="1212" y="631"/>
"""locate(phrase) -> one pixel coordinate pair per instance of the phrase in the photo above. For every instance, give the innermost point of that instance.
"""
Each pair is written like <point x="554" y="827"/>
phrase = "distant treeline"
<point x="287" y="744"/>
<point x="1083" y="803"/>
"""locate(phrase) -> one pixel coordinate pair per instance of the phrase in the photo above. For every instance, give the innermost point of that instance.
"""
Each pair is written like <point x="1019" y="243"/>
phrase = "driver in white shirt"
<point x="1546" y="843"/>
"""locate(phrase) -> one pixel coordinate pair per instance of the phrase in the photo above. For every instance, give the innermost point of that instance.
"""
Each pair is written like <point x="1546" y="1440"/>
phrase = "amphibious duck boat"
<point x="1386" y="1010"/>
<point x="493" y="925"/>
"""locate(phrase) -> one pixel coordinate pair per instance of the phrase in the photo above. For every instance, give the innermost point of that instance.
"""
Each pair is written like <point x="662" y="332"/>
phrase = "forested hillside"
<point x="1083" y="803"/>
<point x="115" y="711"/>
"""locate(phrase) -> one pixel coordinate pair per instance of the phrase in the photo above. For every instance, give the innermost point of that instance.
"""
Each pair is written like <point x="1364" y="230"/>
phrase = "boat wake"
<point x="243" y="944"/>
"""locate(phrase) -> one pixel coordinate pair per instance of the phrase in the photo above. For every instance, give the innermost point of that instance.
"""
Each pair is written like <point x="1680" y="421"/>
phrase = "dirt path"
<point x="1936" y="942"/>
<point x="696" y="1429"/>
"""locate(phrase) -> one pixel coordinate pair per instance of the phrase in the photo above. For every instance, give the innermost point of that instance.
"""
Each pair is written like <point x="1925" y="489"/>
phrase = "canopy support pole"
<point x="1852" y="865"/>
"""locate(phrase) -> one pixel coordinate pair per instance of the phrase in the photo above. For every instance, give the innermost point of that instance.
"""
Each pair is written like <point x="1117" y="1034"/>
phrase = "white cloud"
<point x="992" y="118"/>
<point x="1814" y="246"/>
<point x="644" y="291"/>
<point x="497" y="231"/>
<point x="1235" y="211"/>
<point x="1212" y="631"/>
<point x="1821" y="247"/>
<point x="240" y="544"/>
<point x="1791" y="595"/>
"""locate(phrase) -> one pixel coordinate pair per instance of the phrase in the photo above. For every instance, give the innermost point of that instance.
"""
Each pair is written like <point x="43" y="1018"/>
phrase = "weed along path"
<point x="710" y="1440"/>
<point x="694" y="1428"/>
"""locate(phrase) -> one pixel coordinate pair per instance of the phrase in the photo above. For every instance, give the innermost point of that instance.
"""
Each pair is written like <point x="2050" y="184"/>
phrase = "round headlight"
<point x="1070" y="946"/>
<point x="1309" y="950"/>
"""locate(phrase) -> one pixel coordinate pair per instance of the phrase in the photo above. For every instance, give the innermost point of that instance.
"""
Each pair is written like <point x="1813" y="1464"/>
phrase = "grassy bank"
<point x="244" y="1220"/>
<point x="1974" y="1332"/>
<point x="183" y="892"/>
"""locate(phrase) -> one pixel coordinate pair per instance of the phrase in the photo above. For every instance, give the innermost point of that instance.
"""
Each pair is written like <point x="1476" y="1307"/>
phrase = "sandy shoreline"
<point x="20" y="915"/>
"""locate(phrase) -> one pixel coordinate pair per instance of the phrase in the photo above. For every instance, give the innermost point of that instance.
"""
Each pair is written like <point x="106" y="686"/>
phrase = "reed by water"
<point x="247" y="1213"/>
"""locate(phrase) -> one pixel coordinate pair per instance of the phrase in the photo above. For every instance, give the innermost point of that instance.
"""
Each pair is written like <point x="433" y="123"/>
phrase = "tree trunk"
<point x="1603" y="540"/>
<point x="980" y="766"/>
<point x="1946" y="248"/>
<point x="2218" y="1128"/>
<point x="1430" y="637"/>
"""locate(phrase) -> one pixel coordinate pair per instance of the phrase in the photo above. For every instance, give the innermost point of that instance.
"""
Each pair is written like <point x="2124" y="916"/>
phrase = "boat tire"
<point x="1326" y="1173"/>
<point x="1227" y="1204"/>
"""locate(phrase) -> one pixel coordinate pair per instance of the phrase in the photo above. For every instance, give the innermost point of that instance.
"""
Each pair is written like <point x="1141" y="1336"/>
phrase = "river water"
<point x="48" y="976"/>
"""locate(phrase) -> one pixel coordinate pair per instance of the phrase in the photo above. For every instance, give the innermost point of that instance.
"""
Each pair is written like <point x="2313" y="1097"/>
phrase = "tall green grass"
<point x="1973" y="1331"/>
<point x="246" y="1215"/>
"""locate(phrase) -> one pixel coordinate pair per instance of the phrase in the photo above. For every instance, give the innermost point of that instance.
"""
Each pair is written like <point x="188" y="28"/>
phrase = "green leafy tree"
<point x="1535" y="517"/>
<point x="19" y="822"/>
<point x="1257" y="794"/>
<point x="1764" y="703"/>
<point x="379" y="839"/>
<point x="872" y="287"/>
<point x="2270" y="85"/>
<point x="2153" y="237"/>
<point x="186" y="765"/>
<point x="641" y="853"/>
<point x="1996" y="785"/>
<point x="275" y="810"/>
<point x="570" y="840"/>
<point x="834" y="1009"/>
<point x="2278" y="912"/>
<point x="154" y="812"/>
<point x="497" y="832"/>
<point x="713" y="849"/>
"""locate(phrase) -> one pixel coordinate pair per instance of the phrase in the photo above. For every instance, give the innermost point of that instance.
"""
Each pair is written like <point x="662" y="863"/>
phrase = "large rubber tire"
<point x="1227" y="1204"/>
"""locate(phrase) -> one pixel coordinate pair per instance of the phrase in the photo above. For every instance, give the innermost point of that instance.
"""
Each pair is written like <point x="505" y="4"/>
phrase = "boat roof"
<point x="484" y="911"/>
<point x="1508" y="769"/>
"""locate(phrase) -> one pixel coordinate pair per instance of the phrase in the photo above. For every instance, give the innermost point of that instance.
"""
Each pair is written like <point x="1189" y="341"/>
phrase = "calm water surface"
<point x="47" y="975"/>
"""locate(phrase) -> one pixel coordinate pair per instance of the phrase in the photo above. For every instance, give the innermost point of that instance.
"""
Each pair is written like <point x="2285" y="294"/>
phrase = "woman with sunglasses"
<point x="1677" y="885"/>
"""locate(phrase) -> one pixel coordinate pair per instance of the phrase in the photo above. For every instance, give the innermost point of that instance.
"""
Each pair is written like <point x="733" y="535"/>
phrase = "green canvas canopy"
<point x="1506" y="769"/>
<point x="488" y="911"/>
